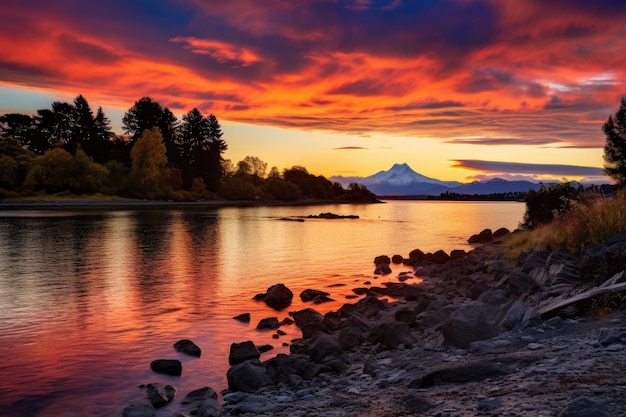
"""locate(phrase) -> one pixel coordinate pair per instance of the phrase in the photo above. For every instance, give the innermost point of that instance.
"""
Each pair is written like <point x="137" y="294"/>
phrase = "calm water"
<point x="89" y="298"/>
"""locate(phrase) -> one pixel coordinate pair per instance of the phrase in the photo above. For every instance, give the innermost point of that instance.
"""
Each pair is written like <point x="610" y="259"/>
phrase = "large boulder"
<point x="278" y="297"/>
<point x="247" y="376"/>
<point x="171" y="367"/>
<point x="472" y="322"/>
<point x="439" y="257"/>
<point x="241" y="352"/>
<point x="160" y="394"/>
<point x="187" y="347"/>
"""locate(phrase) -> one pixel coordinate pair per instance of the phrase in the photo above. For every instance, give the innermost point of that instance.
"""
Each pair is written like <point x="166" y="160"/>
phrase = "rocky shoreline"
<point x="479" y="336"/>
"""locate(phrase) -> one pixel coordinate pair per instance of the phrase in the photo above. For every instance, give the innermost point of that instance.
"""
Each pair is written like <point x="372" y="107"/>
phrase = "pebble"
<point x="488" y="405"/>
<point x="615" y="347"/>
<point x="528" y="338"/>
<point x="534" y="346"/>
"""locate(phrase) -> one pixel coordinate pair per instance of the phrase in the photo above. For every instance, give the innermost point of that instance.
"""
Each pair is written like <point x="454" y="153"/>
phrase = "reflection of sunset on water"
<point x="91" y="298"/>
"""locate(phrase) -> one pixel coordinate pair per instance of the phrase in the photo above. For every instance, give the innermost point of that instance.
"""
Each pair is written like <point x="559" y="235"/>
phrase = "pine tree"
<point x="615" y="147"/>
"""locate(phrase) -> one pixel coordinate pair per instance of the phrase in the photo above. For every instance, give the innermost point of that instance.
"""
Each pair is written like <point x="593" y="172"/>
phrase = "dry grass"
<point x="593" y="221"/>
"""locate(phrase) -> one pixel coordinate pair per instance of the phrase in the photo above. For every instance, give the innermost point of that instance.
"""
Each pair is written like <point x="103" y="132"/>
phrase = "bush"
<point x="549" y="202"/>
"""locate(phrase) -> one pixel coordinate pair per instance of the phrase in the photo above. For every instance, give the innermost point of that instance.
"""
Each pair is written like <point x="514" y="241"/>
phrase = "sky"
<point x="458" y="89"/>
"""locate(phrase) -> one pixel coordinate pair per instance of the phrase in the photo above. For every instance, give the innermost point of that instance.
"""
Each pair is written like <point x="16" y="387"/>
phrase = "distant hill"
<point x="402" y="180"/>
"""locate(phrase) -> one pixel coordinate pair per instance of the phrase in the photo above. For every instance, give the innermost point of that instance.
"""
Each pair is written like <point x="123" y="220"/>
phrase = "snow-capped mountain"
<point x="401" y="180"/>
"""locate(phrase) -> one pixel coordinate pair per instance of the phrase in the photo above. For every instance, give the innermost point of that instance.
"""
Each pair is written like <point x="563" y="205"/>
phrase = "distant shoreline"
<point x="159" y="204"/>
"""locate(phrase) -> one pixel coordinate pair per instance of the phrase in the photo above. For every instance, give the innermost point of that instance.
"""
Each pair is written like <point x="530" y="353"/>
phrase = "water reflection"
<point x="90" y="298"/>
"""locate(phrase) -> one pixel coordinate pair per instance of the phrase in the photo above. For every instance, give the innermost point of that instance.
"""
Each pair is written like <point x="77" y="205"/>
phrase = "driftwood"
<point x="611" y="285"/>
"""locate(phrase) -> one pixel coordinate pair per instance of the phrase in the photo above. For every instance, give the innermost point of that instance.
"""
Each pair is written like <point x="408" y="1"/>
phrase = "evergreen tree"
<point x="217" y="147"/>
<point x="194" y="142"/>
<point x="615" y="147"/>
<point x="146" y="114"/>
<point x="84" y="128"/>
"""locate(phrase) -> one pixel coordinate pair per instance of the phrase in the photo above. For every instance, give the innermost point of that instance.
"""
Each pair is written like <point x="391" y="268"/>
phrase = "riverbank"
<point x="480" y="336"/>
<point x="125" y="204"/>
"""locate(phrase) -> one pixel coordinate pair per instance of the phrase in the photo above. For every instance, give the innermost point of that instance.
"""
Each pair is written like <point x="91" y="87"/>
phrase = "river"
<point x="90" y="297"/>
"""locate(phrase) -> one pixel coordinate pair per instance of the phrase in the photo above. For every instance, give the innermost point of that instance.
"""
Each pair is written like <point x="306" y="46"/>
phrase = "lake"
<point x="90" y="297"/>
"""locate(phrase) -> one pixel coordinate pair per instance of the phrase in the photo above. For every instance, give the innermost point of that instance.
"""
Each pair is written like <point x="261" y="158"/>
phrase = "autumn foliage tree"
<point x="149" y="176"/>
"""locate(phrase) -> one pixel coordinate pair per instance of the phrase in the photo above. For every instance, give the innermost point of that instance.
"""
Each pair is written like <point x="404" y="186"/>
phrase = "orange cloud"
<point x="473" y="73"/>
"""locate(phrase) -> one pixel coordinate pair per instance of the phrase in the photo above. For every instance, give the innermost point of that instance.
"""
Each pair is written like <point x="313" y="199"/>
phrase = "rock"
<point x="608" y="336"/>
<point x="488" y="405"/>
<point x="382" y="269"/>
<point x="405" y="315"/>
<point x="310" y="295"/>
<point x="531" y="318"/>
<point x="474" y="321"/>
<point x="187" y="347"/>
<point x="139" y="410"/>
<point x="584" y="407"/>
<point x="382" y="259"/>
<point x="391" y="335"/>
<point x="278" y="296"/>
<point x="439" y="257"/>
<point x="514" y="316"/>
<point x="500" y="233"/>
<point x="160" y="394"/>
<point x="324" y="346"/>
<point x="457" y="254"/>
<point x="241" y="352"/>
<point x="306" y="317"/>
<point x="170" y="367"/>
<point x="208" y="408"/>
<point x="350" y="337"/>
<point x="397" y="259"/>
<point x="265" y="348"/>
<point x="592" y="263"/>
<point x="247" y="377"/>
<point x="244" y="318"/>
<point x="282" y="368"/>
<point x="268" y="323"/>
<point x="519" y="283"/>
<point x="199" y="395"/>
<point x="483" y="237"/>
<point x="416" y="256"/>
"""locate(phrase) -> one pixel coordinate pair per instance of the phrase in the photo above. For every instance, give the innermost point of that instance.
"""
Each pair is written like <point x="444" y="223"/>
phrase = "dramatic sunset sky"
<point x="458" y="89"/>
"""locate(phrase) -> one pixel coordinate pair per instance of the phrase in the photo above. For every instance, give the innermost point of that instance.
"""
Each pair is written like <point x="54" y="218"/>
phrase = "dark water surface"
<point x="88" y="298"/>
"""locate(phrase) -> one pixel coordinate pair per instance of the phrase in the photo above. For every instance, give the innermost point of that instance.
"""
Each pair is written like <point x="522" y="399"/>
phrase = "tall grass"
<point x="592" y="220"/>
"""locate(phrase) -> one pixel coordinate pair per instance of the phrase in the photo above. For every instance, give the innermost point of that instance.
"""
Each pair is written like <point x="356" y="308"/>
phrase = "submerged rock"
<point x="187" y="347"/>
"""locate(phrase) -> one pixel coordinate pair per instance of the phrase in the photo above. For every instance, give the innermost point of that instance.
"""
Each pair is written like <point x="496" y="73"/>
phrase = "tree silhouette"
<point x="615" y="147"/>
<point x="209" y="161"/>
<point x="146" y="114"/>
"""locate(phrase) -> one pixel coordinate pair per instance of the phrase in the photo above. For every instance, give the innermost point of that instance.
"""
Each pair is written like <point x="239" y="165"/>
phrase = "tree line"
<point x="68" y="148"/>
